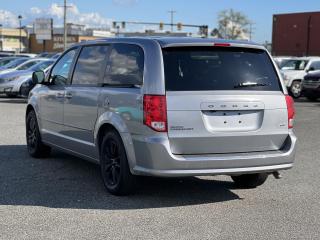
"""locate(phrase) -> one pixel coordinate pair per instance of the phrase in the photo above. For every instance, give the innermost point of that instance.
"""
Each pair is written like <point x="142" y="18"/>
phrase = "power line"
<point x="203" y="28"/>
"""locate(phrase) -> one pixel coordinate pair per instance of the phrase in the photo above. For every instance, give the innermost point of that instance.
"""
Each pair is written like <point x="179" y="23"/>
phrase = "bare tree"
<point x="233" y="25"/>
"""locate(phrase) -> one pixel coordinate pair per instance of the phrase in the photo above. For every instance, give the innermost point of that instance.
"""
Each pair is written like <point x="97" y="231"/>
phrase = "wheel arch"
<point x="30" y="108"/>
<point x="110" y="122"/>
<point x="296" y="80"/>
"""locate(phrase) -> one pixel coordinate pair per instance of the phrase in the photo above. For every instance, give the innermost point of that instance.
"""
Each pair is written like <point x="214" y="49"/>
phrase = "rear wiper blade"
<point x="251" y="84"/>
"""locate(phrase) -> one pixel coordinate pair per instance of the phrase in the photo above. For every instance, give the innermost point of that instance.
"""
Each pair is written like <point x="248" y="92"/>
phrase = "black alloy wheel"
<point x="115" y="170"/>
<point x="34" y="144"/>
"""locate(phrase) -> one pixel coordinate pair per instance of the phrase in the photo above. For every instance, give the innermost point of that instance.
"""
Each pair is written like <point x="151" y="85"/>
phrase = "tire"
<point x="115" y="170"/>
<point x="250" y="180"/>
<point x="35" y="146"/>
<point x="295" y="89"/>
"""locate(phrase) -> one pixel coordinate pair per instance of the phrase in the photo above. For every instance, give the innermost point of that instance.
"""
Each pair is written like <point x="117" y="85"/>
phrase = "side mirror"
<point x="38" y="77"/>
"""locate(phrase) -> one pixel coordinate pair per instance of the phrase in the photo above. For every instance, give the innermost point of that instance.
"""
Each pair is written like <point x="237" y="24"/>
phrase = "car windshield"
<point x="28" y="65"/>
<point x="41" y="66"/>
<point x="296" y="64"/>
<point x="16" y="63"/>
<point x="6" y="61"/>
<point x="217" y="68"/>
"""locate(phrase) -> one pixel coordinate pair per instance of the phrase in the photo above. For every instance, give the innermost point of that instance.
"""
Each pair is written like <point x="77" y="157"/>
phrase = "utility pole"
<point x="65" y="6"/>
<point x="1" y="39"/>
<point x="20" y="35"/>
<point x="65" y="25"/>
<point x="251" y="30"/>
<point x="172" y="12"/>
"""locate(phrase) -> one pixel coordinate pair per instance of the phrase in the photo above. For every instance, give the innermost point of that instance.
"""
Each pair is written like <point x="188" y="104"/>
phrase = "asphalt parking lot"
<point x="63" y="197"/>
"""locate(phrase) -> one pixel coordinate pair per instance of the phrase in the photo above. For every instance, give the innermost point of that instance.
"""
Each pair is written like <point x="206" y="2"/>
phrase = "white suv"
<point x="294" y="70"/>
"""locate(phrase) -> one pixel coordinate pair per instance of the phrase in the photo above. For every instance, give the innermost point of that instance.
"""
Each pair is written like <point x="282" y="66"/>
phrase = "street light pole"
<point x="1" y="39"/>
<point x="20" y="39"/>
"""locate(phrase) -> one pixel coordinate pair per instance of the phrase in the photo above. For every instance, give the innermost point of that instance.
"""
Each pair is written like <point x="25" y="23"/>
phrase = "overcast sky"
<point x="102" y="12"/>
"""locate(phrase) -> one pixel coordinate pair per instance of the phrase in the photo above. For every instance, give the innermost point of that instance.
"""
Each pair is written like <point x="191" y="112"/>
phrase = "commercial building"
<point x="296" y="34"/>
<point x="75" y="33"/>
<point x="55" y="44"/>
<point x="10" y="39"/>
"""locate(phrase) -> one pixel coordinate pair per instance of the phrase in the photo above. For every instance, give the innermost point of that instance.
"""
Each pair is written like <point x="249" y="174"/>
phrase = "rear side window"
<point x="218" y="68"/>
<point x="295" y="64"/>
<point x="125" y="65"/>
<point x="315" y="65"/>
<point x="89" y="65"/>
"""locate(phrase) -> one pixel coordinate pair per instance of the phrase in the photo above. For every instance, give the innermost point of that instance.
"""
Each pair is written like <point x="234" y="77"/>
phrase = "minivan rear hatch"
<point x="223" y="100"/>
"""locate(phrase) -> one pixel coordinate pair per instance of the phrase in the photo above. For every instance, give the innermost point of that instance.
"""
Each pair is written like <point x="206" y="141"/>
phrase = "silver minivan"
<point x="168" y="107"/>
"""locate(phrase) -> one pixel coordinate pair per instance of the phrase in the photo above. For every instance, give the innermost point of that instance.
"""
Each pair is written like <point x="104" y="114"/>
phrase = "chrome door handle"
<point x="60" y="95"/>
<point x="68" y="95"/>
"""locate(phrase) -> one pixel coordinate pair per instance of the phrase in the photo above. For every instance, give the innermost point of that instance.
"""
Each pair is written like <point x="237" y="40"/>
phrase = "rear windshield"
<point x="218" y="68"/>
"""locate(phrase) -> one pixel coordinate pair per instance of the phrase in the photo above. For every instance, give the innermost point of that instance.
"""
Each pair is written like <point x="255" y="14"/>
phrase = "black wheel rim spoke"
<point x="111" y="157"/>
<point x="31" y="133"/>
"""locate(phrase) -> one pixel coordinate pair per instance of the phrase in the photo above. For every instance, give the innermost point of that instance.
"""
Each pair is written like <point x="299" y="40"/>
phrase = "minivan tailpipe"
<point x="277" y="175"/>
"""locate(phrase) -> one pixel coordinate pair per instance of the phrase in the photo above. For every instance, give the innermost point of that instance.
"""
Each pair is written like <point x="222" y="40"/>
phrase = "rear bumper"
<point x="154" y="157"/>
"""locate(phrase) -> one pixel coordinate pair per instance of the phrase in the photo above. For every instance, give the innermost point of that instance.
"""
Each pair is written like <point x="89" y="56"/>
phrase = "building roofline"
<point x="296" y="13"/>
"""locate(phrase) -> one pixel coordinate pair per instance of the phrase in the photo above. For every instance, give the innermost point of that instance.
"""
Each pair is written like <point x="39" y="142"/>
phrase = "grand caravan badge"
<point x="181" y="128"/>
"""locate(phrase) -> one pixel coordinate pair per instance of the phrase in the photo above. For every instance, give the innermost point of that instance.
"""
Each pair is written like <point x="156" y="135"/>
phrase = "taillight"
<point x="291" y="111"/>
<point x="155" y="112"/>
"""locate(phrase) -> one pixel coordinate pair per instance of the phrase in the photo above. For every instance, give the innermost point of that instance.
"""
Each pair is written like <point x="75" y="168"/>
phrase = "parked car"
<point x="192" y="107"/>
<point x="294" y="70"/>
<point x="29" y="55"/>
<point x="46" y="54"/>
<point x="5" y="54"/>
<point x="311" y="85"/>
<point x="12" y="82"/>
<point x="24" y="65"/>
<point x="6" y="60"/>
<point x="13" y="64"/>
<point x="56" y="56"/>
